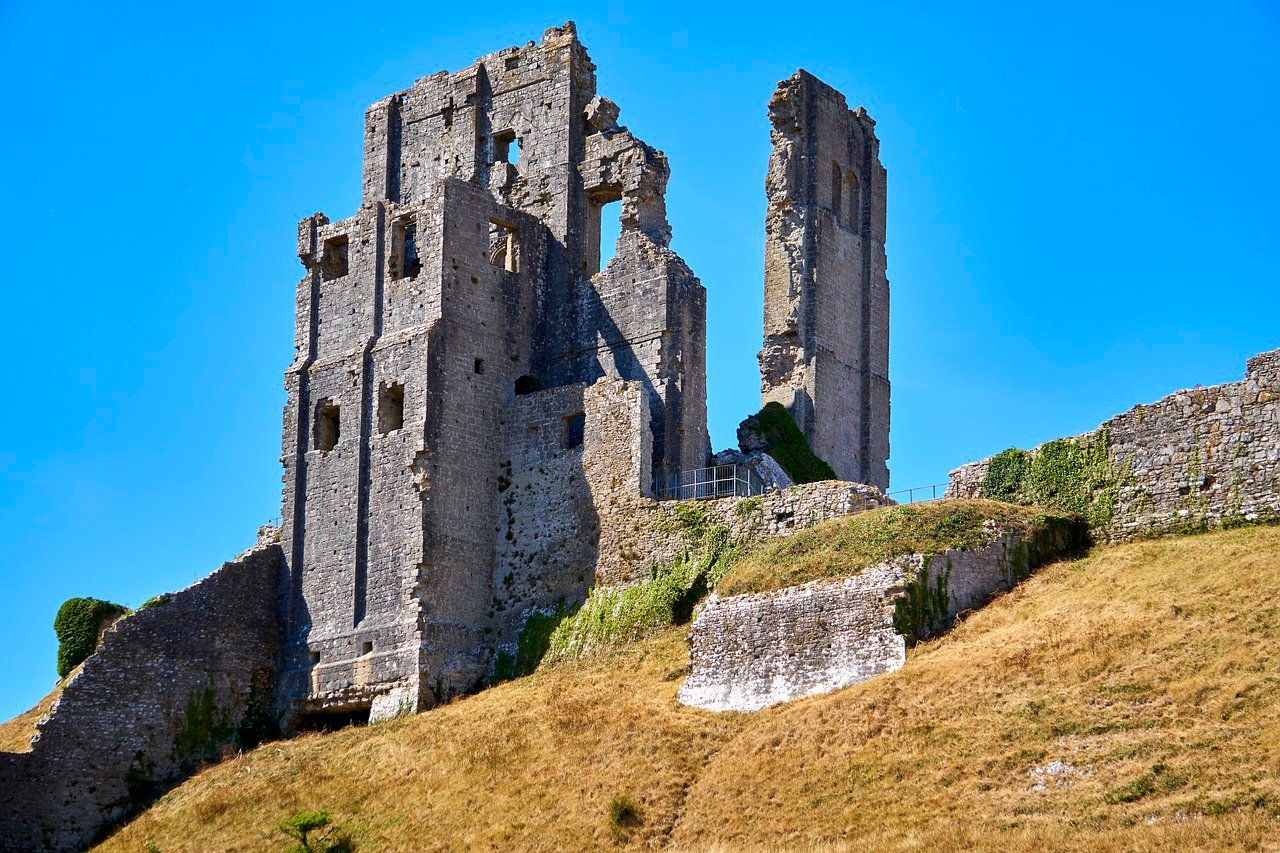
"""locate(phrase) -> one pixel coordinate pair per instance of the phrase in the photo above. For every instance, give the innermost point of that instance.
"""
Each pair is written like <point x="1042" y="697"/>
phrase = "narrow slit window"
<point x="504" y="246"/>
<point x="854" y="191"/>
<point x="334" y="260"/>
<point x="327" y="426"/>
<point x="574" y="429"/>
<point x="408" y="261"/>
<point x="391" y="408"/>
<point x="837" y="185"/>
<point x="479" y="367"/>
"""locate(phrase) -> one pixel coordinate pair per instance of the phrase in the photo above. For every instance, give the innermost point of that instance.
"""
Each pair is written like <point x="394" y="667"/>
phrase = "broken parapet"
<point x="1197" y="458"/>
<point x="168" y="686"/>
<point x="826" y="300"/>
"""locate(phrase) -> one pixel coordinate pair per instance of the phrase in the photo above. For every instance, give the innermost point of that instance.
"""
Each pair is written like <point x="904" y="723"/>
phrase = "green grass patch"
<point x="844" y="547"/>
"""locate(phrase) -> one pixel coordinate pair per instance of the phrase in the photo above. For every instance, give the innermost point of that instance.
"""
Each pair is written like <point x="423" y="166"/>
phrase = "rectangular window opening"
<point x="600" y="243"/>
<point x="366" y="648"/>
<point x="574" y="429"/>
<point x="333" y="260"/>
<point x="504" y="245"/>
<point x="506" y="147"/>
<point x="479" y="369"/>
<point x="391" y="408"/>
<point x="326" y="430"/>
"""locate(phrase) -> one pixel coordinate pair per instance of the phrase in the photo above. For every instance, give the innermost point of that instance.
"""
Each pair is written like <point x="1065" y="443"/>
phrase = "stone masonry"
<point x="748" y="652"/>
<point x="1199" y="457"/>
<point x="468" y="280"/>
<point x="826" y="296"/>
<point x="166" y="687"/>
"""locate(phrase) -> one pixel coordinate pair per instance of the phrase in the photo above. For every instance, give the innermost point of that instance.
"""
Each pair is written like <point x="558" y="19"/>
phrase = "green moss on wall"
<point x="924" y="607"/>
<point x="204" y="728"/>
<point x="78" y="624"/>
<point x="788" y="446"/>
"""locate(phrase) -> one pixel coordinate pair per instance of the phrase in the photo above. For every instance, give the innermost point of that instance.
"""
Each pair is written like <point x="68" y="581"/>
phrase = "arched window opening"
<point x="527" y="385"/>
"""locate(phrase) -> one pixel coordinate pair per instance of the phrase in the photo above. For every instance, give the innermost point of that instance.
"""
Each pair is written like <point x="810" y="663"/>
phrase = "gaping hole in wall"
<point x="504" y="245"/>
<point x="405" y="249"/>
<point x="574" y="429"/>
<point x="603" y="227"/>
<point x="610" y="231"/>
<point x="326" y="429"/>
<point x="527" y="385"/>
<point x="391" y="408"/>
<point x="332" y="721"/>
<point x="506" y="147"/>
<point x="333" y="260"/>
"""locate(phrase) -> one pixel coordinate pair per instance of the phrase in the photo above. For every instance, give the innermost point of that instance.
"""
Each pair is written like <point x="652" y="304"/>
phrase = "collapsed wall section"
<point x="826" y="315"/>
<point x="168" y="687"/>
<point x="1197" y="458"/>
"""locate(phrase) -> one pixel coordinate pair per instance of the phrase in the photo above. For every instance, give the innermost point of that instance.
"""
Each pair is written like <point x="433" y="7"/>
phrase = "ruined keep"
<point x="477" y="416"/>
<point x="457" y="337"/>
<point x="826" y="295"/>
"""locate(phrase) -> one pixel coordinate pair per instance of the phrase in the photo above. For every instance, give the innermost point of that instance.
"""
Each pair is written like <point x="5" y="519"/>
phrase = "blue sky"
<point x="1082" y="216"/>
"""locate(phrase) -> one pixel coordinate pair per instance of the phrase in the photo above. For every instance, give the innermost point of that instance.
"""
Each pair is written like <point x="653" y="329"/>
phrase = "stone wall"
<point x="748" y="652"/>
<point x="1200" y="457"/>
<point x="638" y="534"/>
<point x="166" y="688"/>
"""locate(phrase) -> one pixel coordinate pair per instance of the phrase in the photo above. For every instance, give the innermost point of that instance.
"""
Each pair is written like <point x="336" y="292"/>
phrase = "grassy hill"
<point x="1126" y="700"/>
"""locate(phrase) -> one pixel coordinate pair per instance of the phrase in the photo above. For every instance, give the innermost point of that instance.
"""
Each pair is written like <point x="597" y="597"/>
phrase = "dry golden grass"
<point x="1152" y="669"/>
<point x="16" y="734"/>
<point x="845" y="546"/>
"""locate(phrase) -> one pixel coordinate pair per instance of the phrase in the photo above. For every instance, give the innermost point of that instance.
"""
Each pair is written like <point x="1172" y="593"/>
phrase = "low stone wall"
<point x="168" y="686"/>
<point x="640" y="534"/>
<point x="1197" y="458"/>
<point x="748" y="652"/>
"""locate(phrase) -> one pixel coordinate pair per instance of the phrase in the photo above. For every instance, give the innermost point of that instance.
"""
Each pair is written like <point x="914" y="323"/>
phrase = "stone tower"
<point x="457" y="322"/>
<point x="826" y="296"/>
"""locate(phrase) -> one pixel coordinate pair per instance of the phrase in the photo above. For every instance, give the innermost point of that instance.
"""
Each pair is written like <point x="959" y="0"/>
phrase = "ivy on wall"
<point x="1073" y="475"/>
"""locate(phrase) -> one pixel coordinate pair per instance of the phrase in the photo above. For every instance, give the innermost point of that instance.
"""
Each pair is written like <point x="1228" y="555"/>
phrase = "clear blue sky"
<point x="1082" y="216"/>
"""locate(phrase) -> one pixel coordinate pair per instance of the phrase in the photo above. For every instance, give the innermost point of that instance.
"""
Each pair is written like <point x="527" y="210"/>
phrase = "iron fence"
<point x="934" y="492"/>
<point x="718" y="481"/>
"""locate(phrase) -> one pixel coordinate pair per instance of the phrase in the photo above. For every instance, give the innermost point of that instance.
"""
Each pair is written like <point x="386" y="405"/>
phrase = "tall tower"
<point x="826" y="296"/>
<point x="456" y="323"/>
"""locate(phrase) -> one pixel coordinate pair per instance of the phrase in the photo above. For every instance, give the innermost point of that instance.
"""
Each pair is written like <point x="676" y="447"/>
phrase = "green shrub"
<point x="315" y="832"/>
<point x="78" y="624"/>
<point x="624" y="816"/>
<point x="787" y="444"/>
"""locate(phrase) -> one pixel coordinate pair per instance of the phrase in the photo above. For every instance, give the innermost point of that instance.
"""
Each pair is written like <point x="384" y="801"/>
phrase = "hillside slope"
<point x="1126" y="700"/>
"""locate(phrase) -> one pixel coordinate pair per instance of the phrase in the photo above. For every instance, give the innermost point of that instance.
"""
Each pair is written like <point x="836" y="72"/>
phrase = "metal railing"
<point x="718" y="481"/>
<point x="935" y="492"/>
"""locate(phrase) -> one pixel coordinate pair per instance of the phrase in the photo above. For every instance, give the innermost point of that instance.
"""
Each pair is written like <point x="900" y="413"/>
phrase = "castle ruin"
<point x="477" y="416"/>
<point x="459" y="331"/>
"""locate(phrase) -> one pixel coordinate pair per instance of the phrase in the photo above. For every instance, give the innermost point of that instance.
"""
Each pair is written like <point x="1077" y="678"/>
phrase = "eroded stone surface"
<point x="1200" y="456"/>
<point x="826" y="303"/>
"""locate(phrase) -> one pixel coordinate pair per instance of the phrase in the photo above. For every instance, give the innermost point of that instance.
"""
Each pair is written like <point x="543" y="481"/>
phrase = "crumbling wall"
<point x="572" y="452"/>
<point x="826" y="314"/>
<point x="168" y="686"/>
<point x="748" y="652"/>
<point x="1200" y="457"/>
